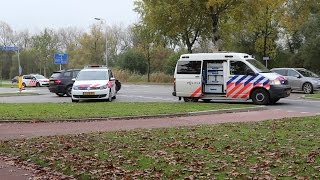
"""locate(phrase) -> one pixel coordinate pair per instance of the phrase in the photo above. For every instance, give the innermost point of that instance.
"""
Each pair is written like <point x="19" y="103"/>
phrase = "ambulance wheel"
<point x="38" y="84"/>
<point x="260" y="97"/>
<point x="188" y="99"/>
<point x="74" y="100"/>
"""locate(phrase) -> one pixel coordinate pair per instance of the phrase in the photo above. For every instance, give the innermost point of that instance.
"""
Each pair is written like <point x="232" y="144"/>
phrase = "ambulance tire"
<point x="189" y="99"/>
<point x="260" y="97"/>
<point x="38" y="84"/>
<point x="206" y="100"/>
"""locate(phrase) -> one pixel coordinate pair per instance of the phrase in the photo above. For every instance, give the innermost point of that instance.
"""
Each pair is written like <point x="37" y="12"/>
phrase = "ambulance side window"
<point x="238" y="68"/>
<point x="189" y="67"/>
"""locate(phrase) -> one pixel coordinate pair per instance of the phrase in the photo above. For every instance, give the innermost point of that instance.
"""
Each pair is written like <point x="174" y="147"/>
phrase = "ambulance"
<point x="225" y="75"/>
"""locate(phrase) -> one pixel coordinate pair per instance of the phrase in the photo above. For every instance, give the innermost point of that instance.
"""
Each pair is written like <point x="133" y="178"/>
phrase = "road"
<point x="157" y="93"/>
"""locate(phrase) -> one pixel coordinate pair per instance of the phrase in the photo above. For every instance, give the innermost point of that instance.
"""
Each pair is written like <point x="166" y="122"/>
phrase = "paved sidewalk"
<point x="28" y="130"/>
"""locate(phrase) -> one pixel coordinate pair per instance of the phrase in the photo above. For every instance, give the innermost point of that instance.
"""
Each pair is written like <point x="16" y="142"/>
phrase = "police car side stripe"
<point x="259" y="80"/>
<point x="232" y="79"/>
<point x="249" y="80"/>
<point x="241" y="79"/>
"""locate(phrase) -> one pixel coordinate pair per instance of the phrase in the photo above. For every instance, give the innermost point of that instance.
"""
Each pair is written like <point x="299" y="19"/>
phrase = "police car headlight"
<point x="75" y="88"/>
<point x="103" y="87"/>
<point x="276" y="82"/>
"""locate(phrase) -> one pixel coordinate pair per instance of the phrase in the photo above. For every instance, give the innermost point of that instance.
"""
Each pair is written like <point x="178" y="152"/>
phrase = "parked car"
<point x="34" y="80"/>
<point x="14" y="80"/>
<point x="60" y="82"/>
<point x="94" y="83"/>
<point x="300" y="79"/>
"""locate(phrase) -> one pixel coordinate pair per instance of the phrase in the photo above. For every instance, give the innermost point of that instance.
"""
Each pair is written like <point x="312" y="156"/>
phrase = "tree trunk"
<point x="215" y="30"/>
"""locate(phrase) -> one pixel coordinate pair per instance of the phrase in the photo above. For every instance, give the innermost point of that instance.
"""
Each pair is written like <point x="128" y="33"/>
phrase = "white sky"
<point x="35" y="15"/>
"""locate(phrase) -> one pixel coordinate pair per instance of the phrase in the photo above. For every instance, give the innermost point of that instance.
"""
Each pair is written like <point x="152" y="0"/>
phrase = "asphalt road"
<point x="157" y="93"/>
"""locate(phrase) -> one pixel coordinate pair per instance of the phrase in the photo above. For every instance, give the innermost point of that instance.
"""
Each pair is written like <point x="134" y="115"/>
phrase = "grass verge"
<point x="63" y="111"/>
<point x="278" y="149"/>
<point x="313" y="96"/>
<point x="18" y="94"/>
<point x="8" y="86"/>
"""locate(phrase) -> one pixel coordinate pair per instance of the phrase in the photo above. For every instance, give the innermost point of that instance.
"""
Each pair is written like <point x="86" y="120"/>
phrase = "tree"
<point x="295" y="16"/>
<point x="91" y="49"/>
<point x="45" y="45"/>
<point x="181" y="20"/>
<point x="133" y="61"/>
<point x="255" y="31"/>
<point x="216" y="11"/>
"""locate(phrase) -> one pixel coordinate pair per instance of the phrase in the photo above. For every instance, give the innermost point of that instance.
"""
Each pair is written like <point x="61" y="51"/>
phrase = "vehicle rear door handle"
<point x="197" y="76"/>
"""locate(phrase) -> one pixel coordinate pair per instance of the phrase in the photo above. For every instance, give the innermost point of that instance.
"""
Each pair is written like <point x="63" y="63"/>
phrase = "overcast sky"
<point x="35" y="15"/>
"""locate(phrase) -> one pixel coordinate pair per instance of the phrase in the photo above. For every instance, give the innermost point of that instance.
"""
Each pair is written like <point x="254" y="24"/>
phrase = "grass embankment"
<point x="18" y="94"/>
<point x="313" y="96"/>
<point x="63" y="111"/>
<point x="284" y="149"/>
<point x="4" y="85"/>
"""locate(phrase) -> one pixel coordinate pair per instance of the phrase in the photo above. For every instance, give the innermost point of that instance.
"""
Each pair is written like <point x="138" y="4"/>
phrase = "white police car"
<point x="94" y="83"/>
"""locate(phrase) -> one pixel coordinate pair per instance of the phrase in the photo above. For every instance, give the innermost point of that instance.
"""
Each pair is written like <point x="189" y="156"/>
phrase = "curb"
<point x="220" y="111"/>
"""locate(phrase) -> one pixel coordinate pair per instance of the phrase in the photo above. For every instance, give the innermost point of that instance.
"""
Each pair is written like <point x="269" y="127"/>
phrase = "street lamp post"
<point x="106" y="51"/>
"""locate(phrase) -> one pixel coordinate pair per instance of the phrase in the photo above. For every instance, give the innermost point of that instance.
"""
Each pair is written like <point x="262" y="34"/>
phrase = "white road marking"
<point x="304" y="112"/>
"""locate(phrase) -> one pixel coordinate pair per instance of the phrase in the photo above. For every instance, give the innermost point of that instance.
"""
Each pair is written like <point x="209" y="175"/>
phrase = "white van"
<point x="210" y="76"/>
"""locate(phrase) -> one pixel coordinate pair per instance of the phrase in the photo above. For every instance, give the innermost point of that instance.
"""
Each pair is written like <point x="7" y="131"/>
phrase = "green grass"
<point x="277" y="149"/>
<point x="313" y="96"/>
<point x="8" y="85"/>
<point x="17" y="94"/>
<point x="63" y="111"/>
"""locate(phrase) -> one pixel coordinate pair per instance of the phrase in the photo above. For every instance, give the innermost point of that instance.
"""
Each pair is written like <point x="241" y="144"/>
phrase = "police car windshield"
<point x="258" y="66"/>
<point x="92" y="75"/>
<point x="40" y="77"/>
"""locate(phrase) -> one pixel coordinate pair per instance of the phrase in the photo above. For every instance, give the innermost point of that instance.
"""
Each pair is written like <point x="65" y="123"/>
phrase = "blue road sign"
<point x="9" y="48"/>
<point x="60" y="58"/>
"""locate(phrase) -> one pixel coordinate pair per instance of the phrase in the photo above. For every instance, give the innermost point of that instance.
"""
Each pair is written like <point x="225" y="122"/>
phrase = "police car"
<point x="34" y="80"/>
<point x="94" y="83"/>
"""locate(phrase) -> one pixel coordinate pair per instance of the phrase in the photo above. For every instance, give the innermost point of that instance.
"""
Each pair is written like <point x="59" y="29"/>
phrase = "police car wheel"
<point x="38" y="84"/>
<point x="24" y="85"/>
<point x="110" y="97"/>
<point x="74" y="100"/>
<point x="260" y="97"/>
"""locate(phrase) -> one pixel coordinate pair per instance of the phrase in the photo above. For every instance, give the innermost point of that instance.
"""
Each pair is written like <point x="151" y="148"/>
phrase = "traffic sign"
<point x="266" y="58"/>
<point x="60" y="58"/>
<point x="9" y="48"/>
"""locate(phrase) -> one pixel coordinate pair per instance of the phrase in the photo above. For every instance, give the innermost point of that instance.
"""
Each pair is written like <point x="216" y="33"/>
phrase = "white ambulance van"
<point x="209" y="76"/>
